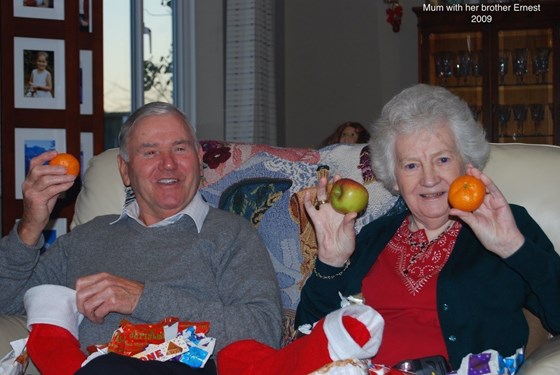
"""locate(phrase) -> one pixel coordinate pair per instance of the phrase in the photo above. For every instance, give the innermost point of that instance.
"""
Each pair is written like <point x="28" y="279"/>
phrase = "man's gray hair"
<point x="148" y="110"/>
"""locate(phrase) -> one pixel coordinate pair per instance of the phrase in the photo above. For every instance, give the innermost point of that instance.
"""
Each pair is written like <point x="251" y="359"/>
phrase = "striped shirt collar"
<point x="197" y="210"/>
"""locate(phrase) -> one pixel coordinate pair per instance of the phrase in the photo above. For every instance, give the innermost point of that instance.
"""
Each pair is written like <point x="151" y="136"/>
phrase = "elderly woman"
<point x="447" y="282"/>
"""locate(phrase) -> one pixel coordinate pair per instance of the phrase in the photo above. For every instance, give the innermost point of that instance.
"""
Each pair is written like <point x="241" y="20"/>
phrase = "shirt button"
<point x="445" y="307"/>
<point x="452" y="338"/>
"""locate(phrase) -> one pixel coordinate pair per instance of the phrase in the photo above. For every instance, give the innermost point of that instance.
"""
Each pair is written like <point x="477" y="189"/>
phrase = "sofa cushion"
<point x="251" y="198"/>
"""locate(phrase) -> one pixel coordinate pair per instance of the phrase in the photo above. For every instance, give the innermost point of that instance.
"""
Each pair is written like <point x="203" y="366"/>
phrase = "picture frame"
<point x="30" y="142"/>
<point x="38" y="62"/>
<point x="45" y="9"/>
<point x="85" y="11"/>
<point x="86" y="82"/>
<point x="86" y="151"/>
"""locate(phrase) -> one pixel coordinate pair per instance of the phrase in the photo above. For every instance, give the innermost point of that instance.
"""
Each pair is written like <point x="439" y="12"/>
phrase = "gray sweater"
<point x="222" y="274"/>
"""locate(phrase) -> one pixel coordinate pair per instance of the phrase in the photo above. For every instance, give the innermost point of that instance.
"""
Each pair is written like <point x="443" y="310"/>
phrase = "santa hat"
<point x="350" y="332"/>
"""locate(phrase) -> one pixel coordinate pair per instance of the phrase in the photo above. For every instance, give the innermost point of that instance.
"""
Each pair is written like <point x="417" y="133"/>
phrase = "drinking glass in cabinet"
<point x="520" y="116"/>
<point x="503" y="62"/>
<point x="537" y="115"/>
<point x="519" y="61"/>
<point x="463" y="65"/>
<point x="540" y="63"/>
<point x="504" y="114"/>
<point x="476" y="61"/>
<point x="444" y="66"/>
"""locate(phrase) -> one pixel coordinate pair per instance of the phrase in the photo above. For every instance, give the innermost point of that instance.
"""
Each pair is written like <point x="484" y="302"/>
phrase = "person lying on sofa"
<point x="447" y="282"/>
<point x="168" y="254"/>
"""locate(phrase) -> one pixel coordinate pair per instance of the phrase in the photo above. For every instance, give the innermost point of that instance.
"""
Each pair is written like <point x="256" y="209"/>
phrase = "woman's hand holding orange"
<point x="492" y="222"/>
<point x="336" y="237"/>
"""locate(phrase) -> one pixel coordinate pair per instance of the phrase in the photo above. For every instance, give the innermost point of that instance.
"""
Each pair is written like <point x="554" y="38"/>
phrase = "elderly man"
<point x="167" y="254"/>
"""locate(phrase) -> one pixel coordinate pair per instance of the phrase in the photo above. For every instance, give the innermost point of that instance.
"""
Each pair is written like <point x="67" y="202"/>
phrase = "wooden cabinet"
<point x="505" y="64"/>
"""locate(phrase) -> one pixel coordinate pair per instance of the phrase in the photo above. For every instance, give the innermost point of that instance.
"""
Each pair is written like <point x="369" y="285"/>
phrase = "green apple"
<point x="347" y="195"/>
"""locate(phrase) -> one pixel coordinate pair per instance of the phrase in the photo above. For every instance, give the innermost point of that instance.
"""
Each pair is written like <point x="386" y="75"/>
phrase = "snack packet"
<point x="130" y="339"/>
<point x="188" y="347"/>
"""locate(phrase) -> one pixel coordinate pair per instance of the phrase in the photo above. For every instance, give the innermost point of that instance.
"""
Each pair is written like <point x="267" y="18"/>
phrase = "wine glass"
<point x="504" y="114"/>
<point x="540" y="63"/>
<point x="519" y="61"/>
<point x="444" y="66"/>
<point x="520" y="115"/>
<point x="503" y="62"/>
<point x="537" y="114"/>
<point x="463" y="65"/>
<point x="476" y="61"/>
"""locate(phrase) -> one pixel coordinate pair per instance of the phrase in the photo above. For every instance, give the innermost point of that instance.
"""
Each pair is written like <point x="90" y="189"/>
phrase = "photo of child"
<point x="39" y="83"/>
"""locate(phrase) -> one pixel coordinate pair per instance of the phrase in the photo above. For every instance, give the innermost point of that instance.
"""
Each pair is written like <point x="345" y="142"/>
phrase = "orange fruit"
<point x="466" y="193"/>
<point x="67" y="160"/>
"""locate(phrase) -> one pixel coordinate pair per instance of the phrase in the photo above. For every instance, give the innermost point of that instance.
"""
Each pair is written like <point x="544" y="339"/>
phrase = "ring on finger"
<point x="320" y="202"/>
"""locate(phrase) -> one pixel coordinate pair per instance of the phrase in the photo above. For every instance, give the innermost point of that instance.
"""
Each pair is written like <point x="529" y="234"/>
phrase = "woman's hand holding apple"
<point x="335" y="233"/>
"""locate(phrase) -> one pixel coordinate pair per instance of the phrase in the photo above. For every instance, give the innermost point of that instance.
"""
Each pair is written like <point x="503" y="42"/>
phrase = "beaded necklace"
<point x="422" y="246"/>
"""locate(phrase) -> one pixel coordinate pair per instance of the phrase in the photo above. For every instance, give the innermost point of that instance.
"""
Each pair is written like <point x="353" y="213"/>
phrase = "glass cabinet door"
<point x="456" y="62"/>
<point x="525" y="86"/>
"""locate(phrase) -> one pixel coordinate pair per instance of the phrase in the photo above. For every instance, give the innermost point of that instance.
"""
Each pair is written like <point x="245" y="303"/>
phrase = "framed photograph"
<point x="85" y="15"/>
<point x="54" y="229"/>
<point x="86" y="151"/>
<point x="86" y="83"/>
<point x="30" y="142"/>
<point x="48" y="9"/>
<point x="39" y="68"/>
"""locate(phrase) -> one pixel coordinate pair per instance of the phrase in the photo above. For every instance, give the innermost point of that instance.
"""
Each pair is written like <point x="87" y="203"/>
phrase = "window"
<point x="138" y="58"/>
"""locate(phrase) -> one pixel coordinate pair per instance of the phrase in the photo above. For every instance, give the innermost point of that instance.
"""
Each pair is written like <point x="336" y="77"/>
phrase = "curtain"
<point x="251" y="110"/>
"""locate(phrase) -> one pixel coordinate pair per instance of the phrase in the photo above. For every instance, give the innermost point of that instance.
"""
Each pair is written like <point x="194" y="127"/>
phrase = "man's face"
<point x="164" y="167"/>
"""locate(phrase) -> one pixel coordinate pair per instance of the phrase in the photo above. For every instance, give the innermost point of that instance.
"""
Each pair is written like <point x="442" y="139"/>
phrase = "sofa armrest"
<point x="13" y="328"/>
<point x="545" y="360"/>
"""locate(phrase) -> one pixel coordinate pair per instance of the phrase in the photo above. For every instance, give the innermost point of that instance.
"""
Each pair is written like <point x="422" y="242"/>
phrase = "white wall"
<point x="342" y="61"/>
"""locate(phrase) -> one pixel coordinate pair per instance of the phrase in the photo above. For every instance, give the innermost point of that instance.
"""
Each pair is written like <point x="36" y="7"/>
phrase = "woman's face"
<point x="349" y="135"/>
<point x="427" y="163"/>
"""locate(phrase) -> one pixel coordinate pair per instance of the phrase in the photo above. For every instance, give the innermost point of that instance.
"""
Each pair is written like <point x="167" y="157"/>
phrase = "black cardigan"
<point x="480" y="296"/>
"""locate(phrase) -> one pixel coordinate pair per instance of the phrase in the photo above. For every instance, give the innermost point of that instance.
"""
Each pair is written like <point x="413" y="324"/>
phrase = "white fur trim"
<point x="53" y="304"/>
<point x="341" y="344"/>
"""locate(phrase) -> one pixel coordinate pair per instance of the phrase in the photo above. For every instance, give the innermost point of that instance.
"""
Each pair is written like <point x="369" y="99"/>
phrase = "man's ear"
<point x="123" y="170"/>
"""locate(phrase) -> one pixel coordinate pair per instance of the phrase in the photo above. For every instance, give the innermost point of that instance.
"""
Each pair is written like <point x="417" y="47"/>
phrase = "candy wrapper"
<point x="188" y="347"/>
<point x="384" y="370"/>
<point x="490" y="362"/>
<point x="130" y="339"/>
<point x="16" y="361"/>
<point x="167" y="340"/>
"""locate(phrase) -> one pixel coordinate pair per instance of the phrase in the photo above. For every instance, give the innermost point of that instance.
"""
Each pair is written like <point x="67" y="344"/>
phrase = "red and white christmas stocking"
<point x="350" y="332"/>
<point x="53" y="320"/>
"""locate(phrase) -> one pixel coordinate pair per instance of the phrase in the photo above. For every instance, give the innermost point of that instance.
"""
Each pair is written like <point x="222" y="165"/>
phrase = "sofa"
<point x="266" y="184"/>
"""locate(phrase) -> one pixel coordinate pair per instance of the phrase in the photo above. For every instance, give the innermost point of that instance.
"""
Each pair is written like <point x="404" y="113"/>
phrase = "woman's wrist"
<point x="328" y="272"/>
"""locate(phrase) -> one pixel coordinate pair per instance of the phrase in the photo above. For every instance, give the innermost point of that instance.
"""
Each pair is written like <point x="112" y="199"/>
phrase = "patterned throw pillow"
<point x="252" y="197"/>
